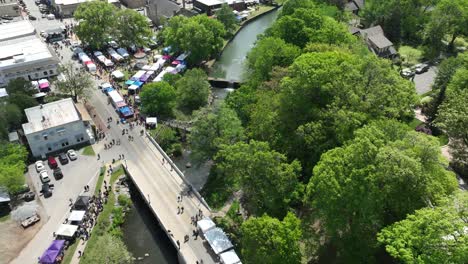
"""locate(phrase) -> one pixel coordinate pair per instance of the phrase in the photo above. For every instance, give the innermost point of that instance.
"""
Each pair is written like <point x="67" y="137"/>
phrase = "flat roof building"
<point x="9" y="8"/>
<point x="16" y="30"/>
<point x="55" y="126"/>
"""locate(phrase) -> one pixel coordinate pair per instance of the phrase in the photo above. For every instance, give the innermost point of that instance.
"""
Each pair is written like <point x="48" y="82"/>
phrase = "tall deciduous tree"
<point x="12" y="165"/>
<point x="227" y="17"/>
<point x="378" y="178"/>
<point x="97" y="23"/>
<point x="269" y="240"/>
<point x="431" y="235"/>
<point x="200" y="35"/>
<point x="193" y="89"/>
<point x="75" y="82"/>
<point x="158" y="99"/>
<point x="212" y="130"/>
<point x="270" y="184"/>
<point x="453" y="119"/>
<point x="131" y="28"/>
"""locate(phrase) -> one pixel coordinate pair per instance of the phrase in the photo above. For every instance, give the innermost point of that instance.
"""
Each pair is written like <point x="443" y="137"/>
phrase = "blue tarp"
<point x="126" y="111"/>
<point x="108" y="89"/>
<point x="138" y="83"/>
<point x="129" y="82"/>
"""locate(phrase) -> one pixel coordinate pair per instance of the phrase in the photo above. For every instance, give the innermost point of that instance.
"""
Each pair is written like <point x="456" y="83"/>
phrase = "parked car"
<point x="420" y="68"/>
<point x="30" y="221"/>
<point x="63" y="158"/>
<point x="7" y="17"/>
<point x="39" y="165"/>
<point x="72" y="154"/>
<point x="32" y="17"/>
<point x="44" y="176"/>
<point x="407" y="73"/>
<point x="29" y="196"/>
<point x="46" y="190"/>
<point x="58" y="173"/>
<point x="52" y="162"/>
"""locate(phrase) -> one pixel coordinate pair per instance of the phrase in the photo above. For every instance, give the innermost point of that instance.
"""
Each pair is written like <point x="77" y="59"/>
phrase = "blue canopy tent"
<point x="108" y="89"/>
<point x="129" y="82"/>
<point x="138" y="83"/>
<point x="126" y="111"/>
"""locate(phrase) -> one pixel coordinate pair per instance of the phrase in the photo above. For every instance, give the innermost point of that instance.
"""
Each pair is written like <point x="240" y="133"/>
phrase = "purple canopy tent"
<point x="144" y="78"/>
<point x="50" y="255"/>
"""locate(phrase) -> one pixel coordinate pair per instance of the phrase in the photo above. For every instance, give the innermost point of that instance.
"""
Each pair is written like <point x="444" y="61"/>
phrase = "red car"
<point x="52" y="162"/>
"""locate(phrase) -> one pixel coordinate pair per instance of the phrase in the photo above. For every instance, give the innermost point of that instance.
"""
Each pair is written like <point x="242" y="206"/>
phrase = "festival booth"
<point x="230" y="257"/>
<point x="126" y="112"/>
<point x="129" y="82"/>
<point x="132" y="88"/>
<point x="123" y="52"/>
<point x="108" y="63"/>
<point x="90" y="66"/>
<point x="218" y="240"/>
<point x="117" y="75"/>
<point x="81" y="203"/>
<point x="171" y="70"/>
<point x="35" y="84"/>
<point x="205" y="224"/>
<point x="137" y="76"/>
<point x="181" y="68"/>
<point x="115" y="56"/>
<point x="44" y="85"/>
<point x="116" y="99"/>
<point x="160" y="76"/>
<point x="145" y="77"/>
<point x="66" y="231"/>
<point x="76" y="216"/>
<point x="151" y="122"/>
<point x="53" y="254"/>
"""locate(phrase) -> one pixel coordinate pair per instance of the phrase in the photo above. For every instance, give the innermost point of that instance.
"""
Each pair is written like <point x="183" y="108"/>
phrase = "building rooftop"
<point x="210" y="2"/>
<point x="16" y="30"/>
<point x="376" y="36"/>
<point x="166" y="8"/>
<point x="23" y="51"/>
<point x="50" y="115"/>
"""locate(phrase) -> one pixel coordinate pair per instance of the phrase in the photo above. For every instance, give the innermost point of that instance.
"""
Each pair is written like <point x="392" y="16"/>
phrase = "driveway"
<point x="77" y="174"/>
<point x="424" y="81"/>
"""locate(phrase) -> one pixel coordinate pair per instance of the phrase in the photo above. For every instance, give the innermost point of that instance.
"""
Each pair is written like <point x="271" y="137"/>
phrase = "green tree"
<point x="269" y="183"/>
<point x="268" y="240"/>
<point x="431" y="235"/>
<point x="109" y="249"/>
<point x="200" y="35"/>
<point x="193" y="89"/>
<point x="97" y="23"/>
<point x="12" y="165"/>
<point x="267" y="53"/>
<point x="453" y="119"/>
<point x="131" y="28"/>
<point x="214" y="129"/>
<point x="158" y="99"/>
<point x="20" y="85"/>
<point x="383" y="174"/>
<point x="75" y="82"/>
<point x="13" y="115"/>
<point x="227" y="17"/>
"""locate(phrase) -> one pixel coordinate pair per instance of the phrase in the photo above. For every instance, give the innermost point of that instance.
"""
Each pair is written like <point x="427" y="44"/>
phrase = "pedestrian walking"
<point x="98" y="156"/>
<point x="182" y="210"/>
<point x="123" y="156"/>
<point x="79" y="253"/>
<point x="178" y="210"/>
<point x="186" y="238"/>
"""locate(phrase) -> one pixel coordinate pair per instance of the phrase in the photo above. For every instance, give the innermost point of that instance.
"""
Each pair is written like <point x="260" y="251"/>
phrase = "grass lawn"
<point x="416" y="122"/>
<point x="88" y="151"/>
<point x="103" y="221"/>
<point x="100" y="180"/>
<point x="5" y="218"/>
<point x="68" y="256"/>
<point x="410" y="55"/>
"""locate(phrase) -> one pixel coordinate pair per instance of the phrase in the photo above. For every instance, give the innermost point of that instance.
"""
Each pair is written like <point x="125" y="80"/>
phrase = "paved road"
<point x="424" y="81"/>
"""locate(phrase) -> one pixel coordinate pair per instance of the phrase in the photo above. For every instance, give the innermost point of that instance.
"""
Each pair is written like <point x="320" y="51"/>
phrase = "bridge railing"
<point x="176" y="169"/>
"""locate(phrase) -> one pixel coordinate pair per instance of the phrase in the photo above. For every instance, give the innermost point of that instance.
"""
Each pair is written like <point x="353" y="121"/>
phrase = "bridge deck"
<point x="160" y="187"/>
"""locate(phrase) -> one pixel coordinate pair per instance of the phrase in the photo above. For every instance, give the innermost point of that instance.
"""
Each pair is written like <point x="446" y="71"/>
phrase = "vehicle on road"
<point x="39" y="165"/>
<point x="63" y="158"/>
<point x="44" y="176"/>
<point x="29" y="196"/>
<point x="407" y="73"/>
<point x="46" y="190"/>
<point x="420" y="68"/>
<point x="52" y="162"/>
<point x="31" y="17"/>
<point x="7" y="17"/>
<point x="72" y="154"/>
<point x="58" y="173"/>
<point x="30" y="221"/>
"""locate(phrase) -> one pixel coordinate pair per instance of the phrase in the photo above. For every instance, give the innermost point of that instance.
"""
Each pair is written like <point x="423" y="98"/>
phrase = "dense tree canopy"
<point x="158" y="99"/>
<point x="132" y="28"/>
<point x="75" y="83"/>
<point x="270" y="184"/>
<point x="431" y="235"/>
<point x="377" y="178"/>
<point x="12" y="165"/>
<point x="200" y="35"/>
<point x="269" y="240"/>
<point x="214" y="129"/>
<point x="226" y="16"/>
<point x="193" y="89"/>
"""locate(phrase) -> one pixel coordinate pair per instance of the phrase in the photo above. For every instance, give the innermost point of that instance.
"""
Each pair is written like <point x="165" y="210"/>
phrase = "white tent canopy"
<point x="218" y="240"/>
<point x="205" y="224"/>
<point x="151" y="120"/>
<point x="76" y="216"/>
<point x="230" y="257"/>
<point x="118" y="74"/>
<point x="133" y="87"/>
<point x="66" y="230"/>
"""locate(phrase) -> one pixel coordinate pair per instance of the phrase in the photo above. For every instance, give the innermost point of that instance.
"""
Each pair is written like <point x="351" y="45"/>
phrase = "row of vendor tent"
<point x="87" y="62"/>
<point x="119" y="103"/>
<point x="103" y="59"/>
<point x="43" y="85"/>
<point x="53" y="253"/>
<point x="218" y="240"/>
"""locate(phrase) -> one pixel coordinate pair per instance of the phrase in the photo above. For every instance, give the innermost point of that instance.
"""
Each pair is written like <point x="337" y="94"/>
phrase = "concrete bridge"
<point x="160" y="183"/>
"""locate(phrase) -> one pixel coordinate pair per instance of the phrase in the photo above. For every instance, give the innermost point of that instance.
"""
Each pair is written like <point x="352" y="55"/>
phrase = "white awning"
<point x="76" y="216"/>
<point x="66" y="230"/>
<point x="133" y="87"/>
<point x="218" y="240"/>
<point x="151" y="120"/>
<point x="117" y="74"/>
<point x="230" y="257"/>
<point x="205" y="224"/>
